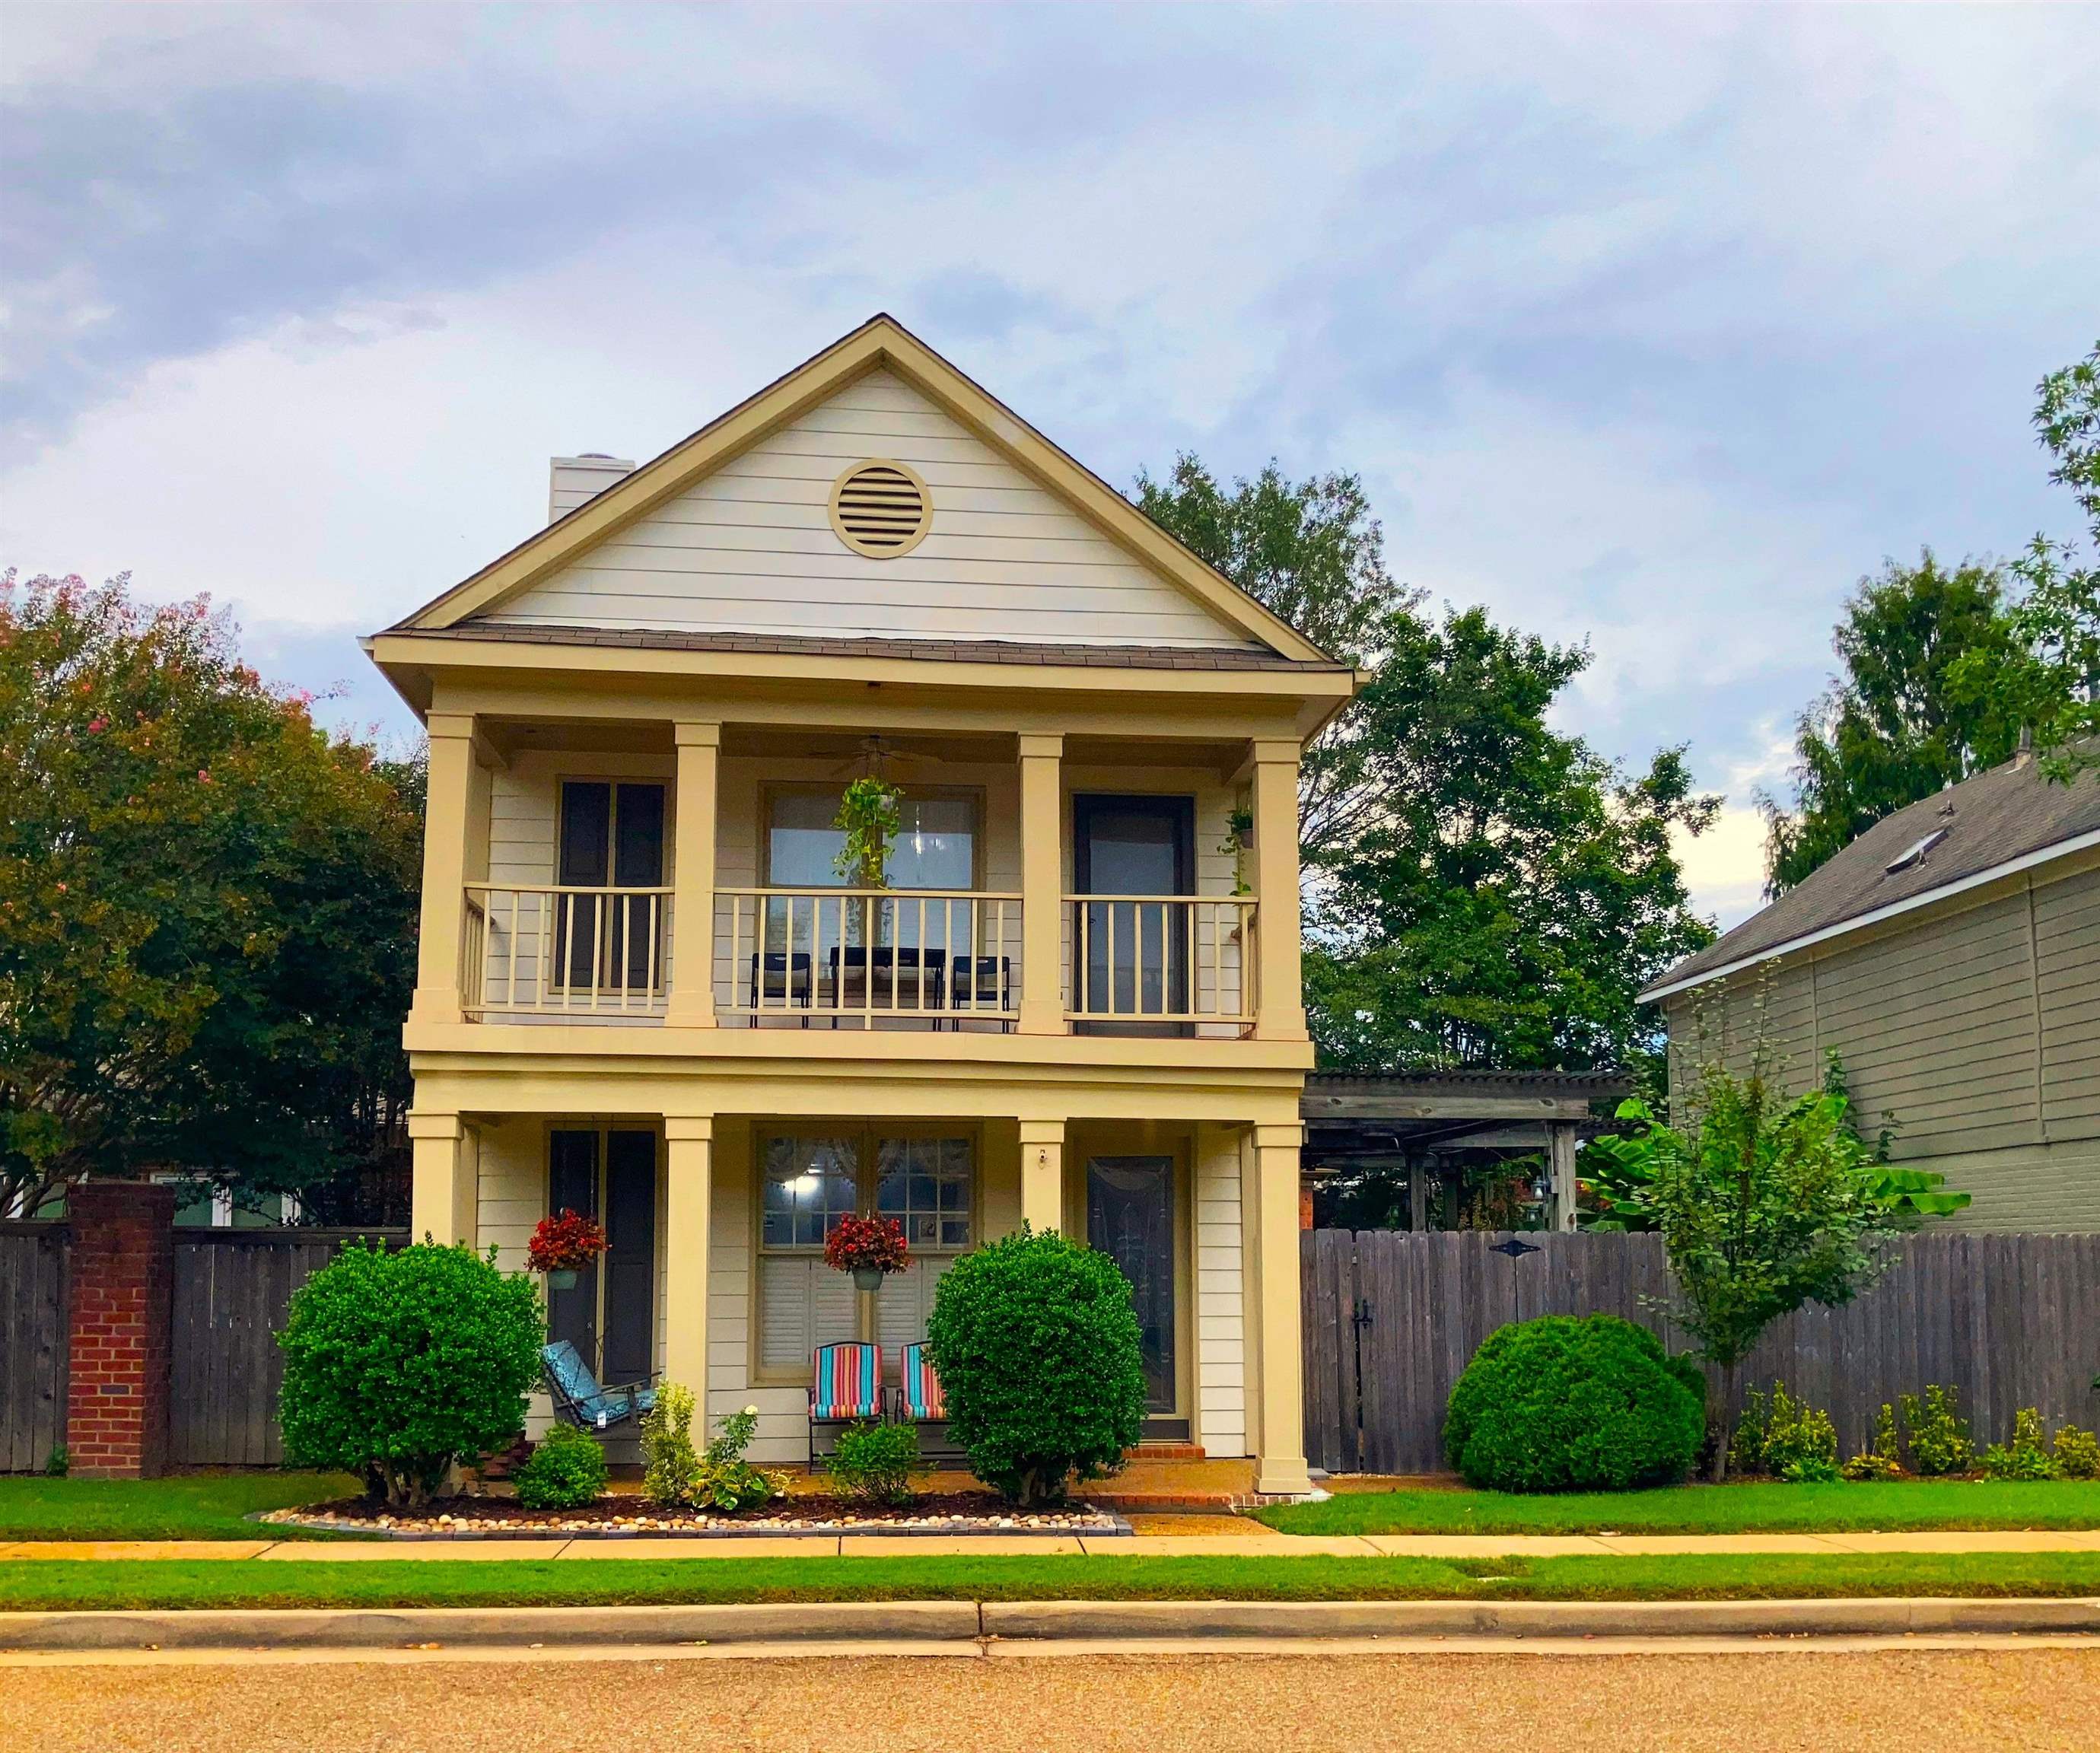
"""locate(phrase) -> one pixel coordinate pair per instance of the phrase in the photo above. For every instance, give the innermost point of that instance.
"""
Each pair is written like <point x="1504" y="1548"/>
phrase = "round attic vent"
<point x="880" y="509"/>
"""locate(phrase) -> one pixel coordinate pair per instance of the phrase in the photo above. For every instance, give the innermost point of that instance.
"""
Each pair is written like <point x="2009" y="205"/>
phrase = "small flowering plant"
<point x="567" y="1242"/>
<point x="868" y="1247"/>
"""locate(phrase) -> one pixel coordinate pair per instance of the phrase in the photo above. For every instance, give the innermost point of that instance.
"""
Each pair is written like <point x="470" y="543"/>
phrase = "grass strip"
<point x="1909" y="1506"/>
<point x="251" y="1584"/>
<point x="188" y="1506"/>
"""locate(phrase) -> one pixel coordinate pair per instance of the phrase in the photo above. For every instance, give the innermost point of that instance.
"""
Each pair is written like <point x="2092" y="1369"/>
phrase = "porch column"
<point x="689" y="1143"/>
<point x="1280" y="1015"/>
<point x="1041" y="886"/>
<point x="1279" y="1420"/>
<point x="692" y="1003"/>
<point x="1561" y="1157"/>
<point x="455" y="780"/>
<point x="446" y="1167"/>
<point x="1043" y="1174"/>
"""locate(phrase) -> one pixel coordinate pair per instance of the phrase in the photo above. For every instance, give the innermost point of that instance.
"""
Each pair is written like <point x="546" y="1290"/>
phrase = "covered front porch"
<point x="1179" y="1204"/>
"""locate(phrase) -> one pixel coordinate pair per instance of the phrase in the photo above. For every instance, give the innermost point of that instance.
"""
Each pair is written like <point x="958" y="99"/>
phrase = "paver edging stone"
<point x="1108" y="1526"/>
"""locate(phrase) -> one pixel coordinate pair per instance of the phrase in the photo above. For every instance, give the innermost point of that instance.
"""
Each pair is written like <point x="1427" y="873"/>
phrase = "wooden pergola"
<point x="1406" y="1120"/>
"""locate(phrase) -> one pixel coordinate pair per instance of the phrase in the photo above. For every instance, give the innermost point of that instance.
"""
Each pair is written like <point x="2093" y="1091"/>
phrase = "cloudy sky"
<point x="1654" y="328"/>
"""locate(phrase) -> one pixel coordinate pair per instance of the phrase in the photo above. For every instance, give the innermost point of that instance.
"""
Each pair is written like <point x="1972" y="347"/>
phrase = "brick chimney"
<point x="573" y="480"/>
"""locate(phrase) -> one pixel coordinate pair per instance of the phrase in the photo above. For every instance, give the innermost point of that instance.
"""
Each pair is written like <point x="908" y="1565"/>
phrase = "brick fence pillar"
<point x="120" y="1320"/>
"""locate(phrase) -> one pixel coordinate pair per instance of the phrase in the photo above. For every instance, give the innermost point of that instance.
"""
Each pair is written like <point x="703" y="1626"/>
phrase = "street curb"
<point x="935" y="1621"/>
<point x="1229" y="1619"/>
<point x="485" y="1627"/>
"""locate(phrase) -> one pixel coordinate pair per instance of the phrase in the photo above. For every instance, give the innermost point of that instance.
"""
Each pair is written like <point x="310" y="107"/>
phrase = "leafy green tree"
<point x="2051" y="684"/>
<point x="1480" y="889"/>
<point x="1310" y="553"/>
<point x="1515" y="889"/>
<point x="1618" y="1167"/>
<point x="1764" y="1203"/>
<point x="207" y="909"/>
<point x="1895" y="726"/>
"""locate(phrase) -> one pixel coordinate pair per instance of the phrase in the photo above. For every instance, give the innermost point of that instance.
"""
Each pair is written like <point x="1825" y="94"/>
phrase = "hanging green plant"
<point x="1238" y="826"/>
<point x="869" y="818"/>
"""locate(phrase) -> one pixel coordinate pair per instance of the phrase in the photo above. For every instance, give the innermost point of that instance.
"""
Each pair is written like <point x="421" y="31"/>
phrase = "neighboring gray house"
<point x="1951" y="955"/>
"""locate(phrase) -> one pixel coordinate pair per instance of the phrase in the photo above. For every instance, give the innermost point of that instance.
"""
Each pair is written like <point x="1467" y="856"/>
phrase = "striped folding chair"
<point x="846" y="1386"/>
<point x="921" y="1402"/>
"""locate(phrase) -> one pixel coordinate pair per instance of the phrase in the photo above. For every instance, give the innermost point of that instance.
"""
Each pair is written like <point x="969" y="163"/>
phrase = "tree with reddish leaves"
<point x="207" y="909"/>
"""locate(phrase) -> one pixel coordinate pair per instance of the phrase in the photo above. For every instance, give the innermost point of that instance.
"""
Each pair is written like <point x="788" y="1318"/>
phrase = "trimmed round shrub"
<point x="565" y="1471"/>
<point x="1038" y="1350"/>
<point x="397" y="1365"/>
<point x="1568" y="1403"/>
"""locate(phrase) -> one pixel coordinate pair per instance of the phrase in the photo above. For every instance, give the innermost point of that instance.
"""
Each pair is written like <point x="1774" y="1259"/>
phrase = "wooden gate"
<point x="233" y="1289"/>
<point x="32" y="1344"/>
<point x="1392" y="1318"/>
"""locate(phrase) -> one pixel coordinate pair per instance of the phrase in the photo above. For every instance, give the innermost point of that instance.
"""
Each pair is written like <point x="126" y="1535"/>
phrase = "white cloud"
<point x="1724" y="867"/>
<point x="1655" y="329"/>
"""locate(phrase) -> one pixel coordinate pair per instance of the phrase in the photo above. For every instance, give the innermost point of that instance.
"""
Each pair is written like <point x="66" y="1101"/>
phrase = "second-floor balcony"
<point x="620" y="876"/>
<point x="859" y="958"/>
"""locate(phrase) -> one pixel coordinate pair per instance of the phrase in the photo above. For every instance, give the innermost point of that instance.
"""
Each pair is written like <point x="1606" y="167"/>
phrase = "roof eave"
<point x="1667" y="987"/>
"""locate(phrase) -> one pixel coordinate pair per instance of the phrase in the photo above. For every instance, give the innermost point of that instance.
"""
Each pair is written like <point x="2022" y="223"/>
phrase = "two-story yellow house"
<point x="645" y="991"/>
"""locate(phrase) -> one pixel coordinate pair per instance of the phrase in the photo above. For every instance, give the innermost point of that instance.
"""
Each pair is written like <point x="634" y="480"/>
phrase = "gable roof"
<point x="881" y="342"/>
<point x="2002" y="821"/>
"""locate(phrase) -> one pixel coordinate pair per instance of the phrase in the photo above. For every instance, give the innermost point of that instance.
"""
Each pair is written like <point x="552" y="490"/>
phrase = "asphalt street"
<point x="2036" y="1700"/>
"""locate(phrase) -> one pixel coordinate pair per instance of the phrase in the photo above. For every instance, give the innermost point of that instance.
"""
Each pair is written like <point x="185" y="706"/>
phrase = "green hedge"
<point x="1038" y="1354"/>
<point x="398" y="1364"/>
<point x="1568" y="1403"/>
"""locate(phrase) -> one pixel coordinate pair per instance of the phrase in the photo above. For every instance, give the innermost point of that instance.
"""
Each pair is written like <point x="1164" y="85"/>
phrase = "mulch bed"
<point x="629" y="1517"/>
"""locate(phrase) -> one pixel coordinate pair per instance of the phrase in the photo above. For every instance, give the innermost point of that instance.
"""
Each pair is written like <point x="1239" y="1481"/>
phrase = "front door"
<point x="1130" y="1217"/>
<point x="1135" y="964"/>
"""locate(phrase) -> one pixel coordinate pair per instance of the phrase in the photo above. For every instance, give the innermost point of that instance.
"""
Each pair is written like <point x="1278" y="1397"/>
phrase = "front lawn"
<point x="190" y="1506"/>
<point x="634" y="1582"/>
<point x="1907" y="1507"/>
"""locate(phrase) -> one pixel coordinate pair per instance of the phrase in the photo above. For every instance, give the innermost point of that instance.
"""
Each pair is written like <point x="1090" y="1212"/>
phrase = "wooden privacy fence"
<point x="32" y="1344"/>
<point x="1392" y="1318"/>
<point x="233" y="1290"/>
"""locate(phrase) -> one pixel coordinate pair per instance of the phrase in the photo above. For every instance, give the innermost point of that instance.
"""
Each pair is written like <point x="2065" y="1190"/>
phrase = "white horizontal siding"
<point x="510" y="1199"/>
<point x="1220" y="1296"/>
<point x="750" y="549"/>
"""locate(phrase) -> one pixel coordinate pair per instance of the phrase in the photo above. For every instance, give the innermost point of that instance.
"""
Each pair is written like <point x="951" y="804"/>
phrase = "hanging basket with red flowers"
<point x="868" y="1247"/>
<point x="564" y="1245"/>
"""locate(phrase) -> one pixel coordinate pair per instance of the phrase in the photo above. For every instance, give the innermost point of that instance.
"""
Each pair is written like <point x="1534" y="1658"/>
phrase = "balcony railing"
<point x="1159" y="959"/>
<point x="894" y="957"/>
<point x="550" y="949"/>
<point x="869" y="954"/>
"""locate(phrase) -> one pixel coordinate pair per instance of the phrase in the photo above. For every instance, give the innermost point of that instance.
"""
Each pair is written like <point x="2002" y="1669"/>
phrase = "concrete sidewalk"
<point x="1146" y="1545"/>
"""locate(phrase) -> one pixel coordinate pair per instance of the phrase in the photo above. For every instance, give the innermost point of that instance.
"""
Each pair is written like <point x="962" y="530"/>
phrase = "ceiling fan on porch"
<point x="880" y="760"/>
